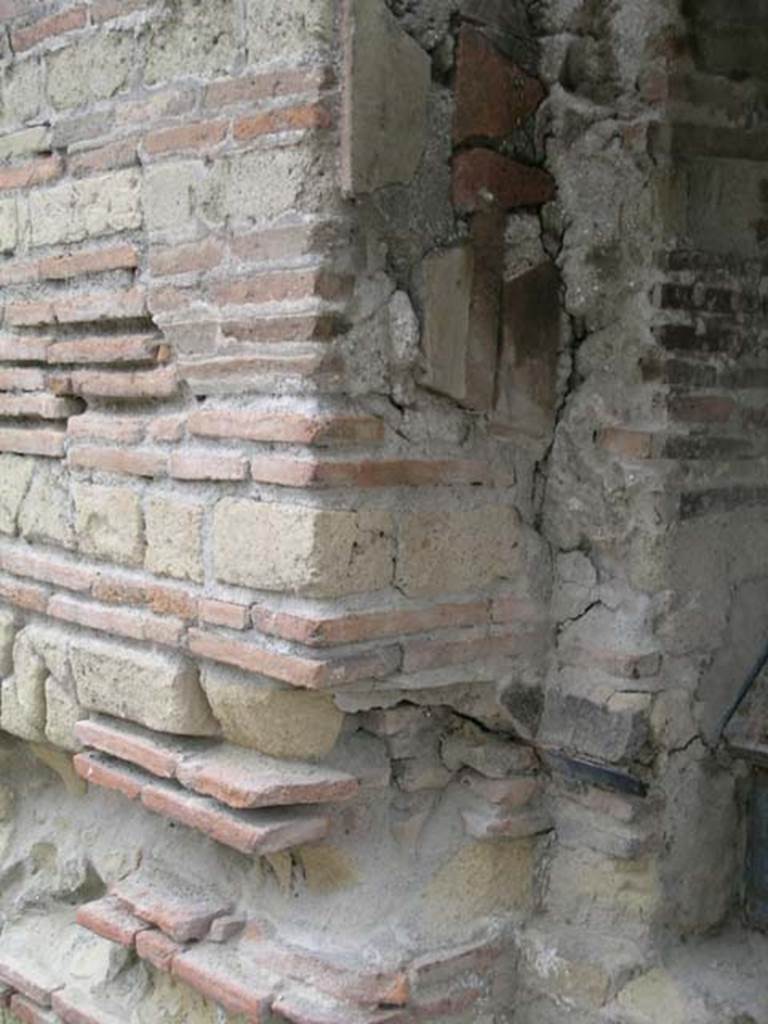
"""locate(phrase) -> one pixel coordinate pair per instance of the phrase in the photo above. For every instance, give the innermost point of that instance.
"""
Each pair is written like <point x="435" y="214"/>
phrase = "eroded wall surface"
<point x="378" y="414"/>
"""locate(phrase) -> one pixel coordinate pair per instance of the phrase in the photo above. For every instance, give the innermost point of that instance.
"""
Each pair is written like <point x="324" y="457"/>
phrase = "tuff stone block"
<point x="280" y="722"/>
<point x="318" y="552"/>
<point x="91" y="69"/>
<point x="45" y="515"/>
<point x="174" y="538"/>
<point x="303" y="30"/>
<point x="160" y="691"/>
<point x="196" y="39"/>
<point x="16" y="473"/>
<point x="108" y="522"/>
<point x="90" y="208"/>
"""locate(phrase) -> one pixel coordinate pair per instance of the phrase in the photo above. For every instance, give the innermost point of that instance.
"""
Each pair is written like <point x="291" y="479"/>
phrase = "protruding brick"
<point x="112" y="920"/>
<point x="181" y="909"/>
<point x="290" y="428"/>
<point x="367" y="473"/>
<point x="192" y="465"/>
<point x="222" y="982"/>
<point x="110" y="774"/>
<point x="153" y="751"/>
<point x="157" y="949"/>
<point x="282" y="119"/>
<point x="33" y="441"/>
<point x="199" y="136"/>
<point x="224" y="613"/>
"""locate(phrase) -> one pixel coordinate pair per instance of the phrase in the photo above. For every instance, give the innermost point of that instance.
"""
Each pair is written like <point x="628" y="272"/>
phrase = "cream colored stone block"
<point x="108" y="523"/>
<point x="279" y="722"/>
<point x="9" y="226"/>
<point x="15" y="475"/>
<point x="46" y="515"/>
<point x="174" y="538"/>
<point x="70" y="212"/>
<point x="287" y="31"/>
<point x="193" y="39"/>
<point x="311" y="551"/>
<point x="90" y="69"/>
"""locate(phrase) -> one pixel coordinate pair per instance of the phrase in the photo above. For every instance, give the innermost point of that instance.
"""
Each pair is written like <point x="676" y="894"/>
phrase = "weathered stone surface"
<point x="288" y="31"/>
<point x="108" y="523"/>
<point x="62" y="712"/>
<point x="447" y="291"/>
<point x="453" y="551"/>
<point x="168" y="197"/>
<point x="307" y="550"/>
<point x="9" y="229"/>
<point x="91" y="69"/>
<point x="280" y="722"/>
<point x="45" y="515"/>
<point x="160" y="691"/>
<point x="174" y="538"/>
<point x="386" y="82"/>
<point x="192" y="39"/>
<point x="8" y="629"/>
<point x="15" y="476"/>
<point x="73" y="211"/>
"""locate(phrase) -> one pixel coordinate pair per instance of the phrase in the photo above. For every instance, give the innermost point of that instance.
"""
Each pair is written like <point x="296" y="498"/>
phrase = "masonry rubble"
<point x="382" y="510"/>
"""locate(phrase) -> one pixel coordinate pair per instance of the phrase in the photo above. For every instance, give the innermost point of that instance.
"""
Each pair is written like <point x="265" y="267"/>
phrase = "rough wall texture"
<point x="381" y="512"/>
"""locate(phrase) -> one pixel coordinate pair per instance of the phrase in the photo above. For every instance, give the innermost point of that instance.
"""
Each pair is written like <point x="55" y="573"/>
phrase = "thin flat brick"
<point x="134" y="625"/>
<point x="38" y="406"/>
<point x="289" y="428"/>
<point x="110" y="157"/>
<point x="351" y="628"/>
<point x="94" y="306"/>
<point x="91" y="261"/>
<point x="630" y="444"/>
<point x="181" y="911"/>
<point x="35" y="172"/>
<point x="145" y="748"/>
<point x="282" y="286"/>
<point x="97" y="770"/>
<point x="262" y="328"/>
<point x="282" y="119"/>
<point x="29" y="977"/>
<point x="157" y="597"/>
<point x="118" y="460"/>
<point x="297" y="1005"/>
<point x="161" y="383"/>
<point x="265" y="86"/>
<point x="228" y="373"/>
<point x="23" y="350"/>
<point x="26" y="379"/>
<point x="50" y="443"/>
<point x="191" y="465"/>
<point x="24" y="595"/>
<point x="46" y="28"/>
<point x="199" y="137"/>
<point x="106" y="10"/>
<point x="481" y="176"/>
<point x="108" y="349"/>
<point x="167" y="428"/>
<point x="157" y="949"/>
<point x="36" y="313"/>
<point x="47" y="569"/>
<point x="112" y="920"/>
<point x="290" y="472"/>
<point x="210" y="977"/>
<point x="191" y="257"/>
<point x="246" y="779"/>
<point x="252" y="832"/>
<point x="29" y="1012"/>
<point x="95" y="427"/>
<point x="224" y="613"/>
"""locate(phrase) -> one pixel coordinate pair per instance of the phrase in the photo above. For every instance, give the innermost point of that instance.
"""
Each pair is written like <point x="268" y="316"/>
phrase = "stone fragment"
<point x="318" y="552"/>
<point x="62" y="713"/>
<point x="29" y="674"/>
<point x="158" y="690"/>
<point x="45" y="514"/>
<point x="253" y="712"/>
<point x="15" y="476"/>
<point x="482" y="177"/>
<point x="15" y="719"/>
<point x="111" y="919"/>
<point x="447" y="290"/>
<point x="442" y="552"/>
<point x="181" y="908"/>
<point x="108" y="522"/>
<point x="174" y="538"/>
<point x="386" y="84"/>
<point x="652" y="996"/>
<point x="8" y="629"/>
<point x="491" y="756"/>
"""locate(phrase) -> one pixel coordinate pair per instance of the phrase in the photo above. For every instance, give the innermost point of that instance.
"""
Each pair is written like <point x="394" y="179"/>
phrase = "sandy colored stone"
<point x="311" y="551"/>
<point x="279" y="722"/>
<point x="482" y="878"/>
<point x="291" y="31"/>
<point x="443" y="552"/>
<point x="326" y="868"/>
<point x="8" y="225"/>
<point x="90" y="69"/>
<point x="75" y="210"/>
<point x="583" y="881"/>
<point x="174" y="538"/>
<point x="192" y="39"/>
<point x="45" y="515"/>
<point x="108" y="523"/>
<point x="387" y="79"/>
<point x="155" y="689"/>
<point x="62" y="712"/>
<point x="29" y="673"/>
<point x="15" y="476"/>
<point x="14" y="718"/>
<point x="653" y="997"/>
<point x="169" y="197"/>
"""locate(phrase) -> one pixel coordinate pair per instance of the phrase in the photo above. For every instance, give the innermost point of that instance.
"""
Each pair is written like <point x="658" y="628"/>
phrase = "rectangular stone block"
<point x="108" y="523"/>
<point x="312" y="551"/>
<point x="174" y="538"/>
<point x="15" y="476"/>
<point x="160" y="691"/>
<point x="90" y="208"/>
<point x="93" y="68"/>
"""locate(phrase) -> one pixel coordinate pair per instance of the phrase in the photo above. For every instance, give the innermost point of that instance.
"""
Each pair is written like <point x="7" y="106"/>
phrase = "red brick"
<point x="160" y="383"/>
<point x="45" y="28"/>
<point x="291" y="472"/>
<point x="223" y="613"/>
<point x="311" y="673"/>
<point x="46" y="568"/>
<point x="117" y="460"/>
<point x="161" y="599"/>
<point x="201" y="136"/>
<point x="446" y="965"/>
<point x="351" y="628"/>
<point x="29" y="1012"/>
<point x="123" y="153"/>
<point x="101" y="771"/>
<point x="93" y="426"/>
<point x="261" y="832"/>
<point x="287" y="242"/>
<point x="24" y="595"/>
<point x="191" y="257"/>
<point x="90" y="261"/>
<point x="132" y="624"/>
<point x="179" y="909"/>
<point x="481" y="176"/>
<point x="493" y="96"/>
<point x="230" y="372"/>
<point x="290" y="428"/>
<point x="420" y="655"/>
<point x="33" y="441"/>
<point x="95" y="306"/>
<point x="110" y="918"/>
<point x="447" y="1007"/>
<point x="105" y="10"/>
<point x="28" y="976"/>
<point x="630" y="444"/>
<point x="157" y="949"/>
<point x="29" y="314"/>
<point x="256" y="330"/>
<point x="167" y="428"/>
<point x="282" y="119"/>
<point x="151" y="751"/>
<point x="191" y="465"/>
<point x="107" y="349"/>
<point x="268" y="85"/>
<point x="244" y="779"/>
<point x="23" y="350"/>
<point x="27" y="379"/>
<point x="171" y="101"/>
<point x="212" y="978"/>
<point x="38" y="406"/>
<point x="35" y="172"/>
<point x="281" y="286"/>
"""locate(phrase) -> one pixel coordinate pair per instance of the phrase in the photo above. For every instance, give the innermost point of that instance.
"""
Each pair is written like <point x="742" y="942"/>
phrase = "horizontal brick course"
<point x="46" y="28"/>
<point x="112" y="920"/>
<point x="49" y="443"/>
<point x="367" y="473"/>
<point x="118" y="460"/>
